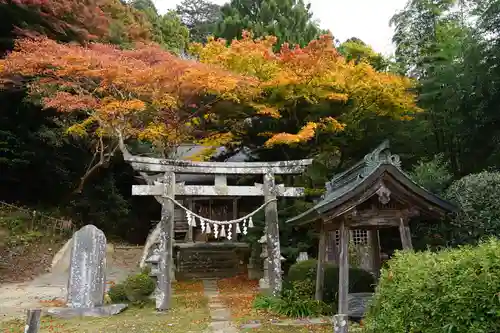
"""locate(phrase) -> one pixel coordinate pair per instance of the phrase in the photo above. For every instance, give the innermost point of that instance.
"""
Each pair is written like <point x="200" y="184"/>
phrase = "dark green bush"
<point x="359" y="279"/>
<point x="478" y="196"/>
<point x="117" y="293"/>
<point x="138" y="288"/>
<point x="454" y="290"/>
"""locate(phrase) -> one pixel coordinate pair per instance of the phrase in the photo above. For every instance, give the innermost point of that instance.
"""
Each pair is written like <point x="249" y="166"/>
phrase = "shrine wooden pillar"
<point x="320" y="270"/>
<point x="340" y="320"/>
<point x="374" y="239"/>
<point x="404" y="231"/>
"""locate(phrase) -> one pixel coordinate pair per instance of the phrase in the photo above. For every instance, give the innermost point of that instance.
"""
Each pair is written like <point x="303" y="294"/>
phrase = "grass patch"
<point x="188" y="313"/>
<point x="268" y="328"/>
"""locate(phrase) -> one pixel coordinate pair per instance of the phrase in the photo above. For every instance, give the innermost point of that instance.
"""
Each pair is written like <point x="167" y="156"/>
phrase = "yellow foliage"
<point x="313" y="74"/>
<point x="81" y="129"/>
<point x="305" y="134"/>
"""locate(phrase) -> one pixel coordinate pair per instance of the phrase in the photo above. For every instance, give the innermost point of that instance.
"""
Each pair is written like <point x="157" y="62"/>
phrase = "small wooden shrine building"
<point x="375" y="193"/>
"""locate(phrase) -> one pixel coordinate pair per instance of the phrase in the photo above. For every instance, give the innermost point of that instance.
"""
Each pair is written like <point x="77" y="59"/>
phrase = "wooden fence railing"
<point x="38" y="221"/>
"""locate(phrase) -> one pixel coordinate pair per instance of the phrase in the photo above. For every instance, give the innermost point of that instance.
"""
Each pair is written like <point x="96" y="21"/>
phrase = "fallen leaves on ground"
<point x="53" y="303"/>
<point x="190" y="294"/>
<point x="238" y="294"/>
<point x="25" y="262"/>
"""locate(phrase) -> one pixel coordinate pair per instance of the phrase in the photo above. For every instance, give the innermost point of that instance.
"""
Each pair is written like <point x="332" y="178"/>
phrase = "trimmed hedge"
<point x="454" y="290"/>
<point x="359" y="279"/>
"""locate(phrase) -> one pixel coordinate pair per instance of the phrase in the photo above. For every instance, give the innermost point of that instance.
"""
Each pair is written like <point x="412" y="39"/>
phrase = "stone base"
<point x="102" y="311"/>
<point x="340" y="323"/>
<point x="264" y="286"/>
<point x="254" y="273"/>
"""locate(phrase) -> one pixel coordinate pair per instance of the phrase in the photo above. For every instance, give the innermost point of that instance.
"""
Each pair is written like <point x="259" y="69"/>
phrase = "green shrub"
<point x="432" y="175"/>
<point x="264" y="302"/>
<point x="359" y="279"/>
<point x="478" y="196"/>
<point x="291" y="303"/>
<point x="138" y="288"/>
<point x="454" y="290"/>
<point x="117" y="293"/>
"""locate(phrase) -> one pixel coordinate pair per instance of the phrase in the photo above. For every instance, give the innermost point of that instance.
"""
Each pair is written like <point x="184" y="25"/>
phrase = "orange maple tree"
<point x="145" y="93"/>
<point x="297" y="77"/>
<point x="80" y="20"/>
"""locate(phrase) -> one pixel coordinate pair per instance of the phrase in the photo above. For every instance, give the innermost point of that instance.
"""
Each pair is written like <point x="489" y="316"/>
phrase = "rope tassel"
<point x="250" y="222"/>
<point x="223" y="231"/>
<point x="216" y="230"/>
<point x="238" y="230"/>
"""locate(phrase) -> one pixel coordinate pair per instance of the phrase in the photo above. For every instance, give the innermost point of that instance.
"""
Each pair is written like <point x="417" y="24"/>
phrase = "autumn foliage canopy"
<point x="150" y="94"/>
<point x="317" y="73"/>
<point x="79" y="20"/>
<point x="145" y="93"/>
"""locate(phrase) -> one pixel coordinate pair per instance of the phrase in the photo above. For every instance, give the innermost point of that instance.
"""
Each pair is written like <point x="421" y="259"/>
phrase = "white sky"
<point x="365" y="19"/>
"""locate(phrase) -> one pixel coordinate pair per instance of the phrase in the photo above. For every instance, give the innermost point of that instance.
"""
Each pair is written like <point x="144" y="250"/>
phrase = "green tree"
<point x="200" y="17"/>
<point x="356" y="50"/>
<point x="453" y="55"/>
<point x="167" y="29"/>
<point x="289" y="20"/>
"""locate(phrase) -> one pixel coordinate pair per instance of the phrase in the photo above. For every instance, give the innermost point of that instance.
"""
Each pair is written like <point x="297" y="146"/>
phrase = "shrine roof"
<point x="359" y="183"/>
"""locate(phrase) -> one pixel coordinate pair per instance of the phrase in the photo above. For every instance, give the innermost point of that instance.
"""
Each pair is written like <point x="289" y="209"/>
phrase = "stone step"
<point x="182" y="276"/>
<point x="208" y="261"/>
<point x="202" y="263"/>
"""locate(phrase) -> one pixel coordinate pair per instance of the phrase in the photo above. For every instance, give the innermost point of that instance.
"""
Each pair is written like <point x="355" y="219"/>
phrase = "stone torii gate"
<point x="164" y="188"/>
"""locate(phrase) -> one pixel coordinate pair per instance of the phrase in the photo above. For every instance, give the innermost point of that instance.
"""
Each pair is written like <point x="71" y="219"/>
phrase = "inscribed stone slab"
<point x="87" y="271"/>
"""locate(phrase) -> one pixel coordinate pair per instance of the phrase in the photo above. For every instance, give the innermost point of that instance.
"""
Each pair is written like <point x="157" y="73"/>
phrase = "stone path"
<point x="219" y="313"/>
<point x="16" y="298"/>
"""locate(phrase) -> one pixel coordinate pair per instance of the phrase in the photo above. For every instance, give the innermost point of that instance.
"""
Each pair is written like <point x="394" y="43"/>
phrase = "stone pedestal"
<point x="264" y="281"/>
<point x="254" y="271"/>
<point x="340" y="323"/>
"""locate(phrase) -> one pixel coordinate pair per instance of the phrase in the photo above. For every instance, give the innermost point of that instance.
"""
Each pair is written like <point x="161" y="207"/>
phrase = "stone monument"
<point x="87" y="276"/>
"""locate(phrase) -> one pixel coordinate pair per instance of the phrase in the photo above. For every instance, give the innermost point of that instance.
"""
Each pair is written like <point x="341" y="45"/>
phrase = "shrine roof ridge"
<point x="363" y="177"/>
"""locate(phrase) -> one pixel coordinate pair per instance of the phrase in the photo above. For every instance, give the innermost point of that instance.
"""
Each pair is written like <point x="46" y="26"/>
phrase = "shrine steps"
<point x="210" y="260"/>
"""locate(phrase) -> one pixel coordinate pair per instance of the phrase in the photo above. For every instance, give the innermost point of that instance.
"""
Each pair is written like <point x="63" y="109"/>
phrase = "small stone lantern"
<point x="264" y="281"/>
